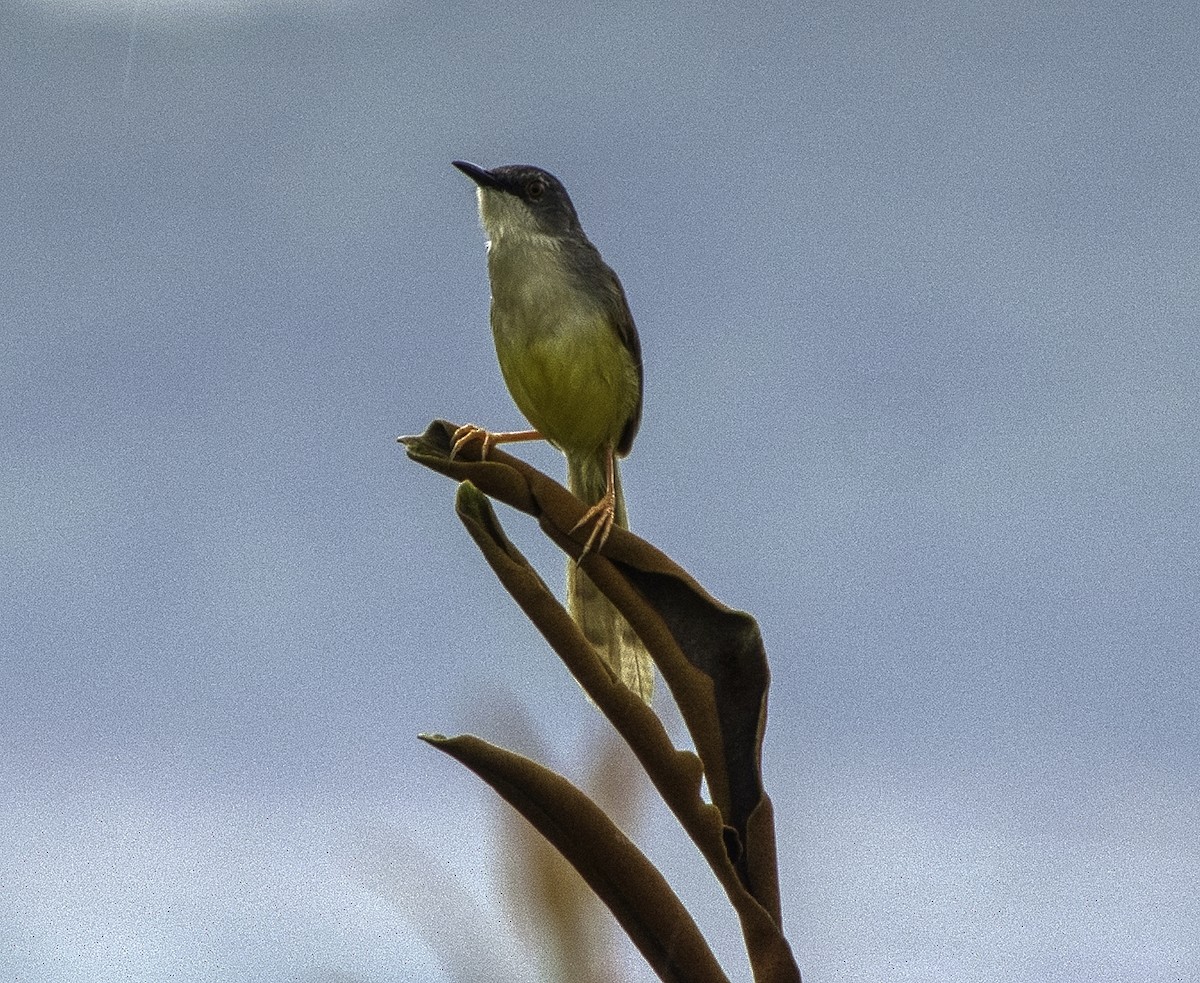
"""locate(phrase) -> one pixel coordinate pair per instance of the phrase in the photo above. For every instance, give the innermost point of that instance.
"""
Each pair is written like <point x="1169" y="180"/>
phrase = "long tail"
<point x="601" y="622"/>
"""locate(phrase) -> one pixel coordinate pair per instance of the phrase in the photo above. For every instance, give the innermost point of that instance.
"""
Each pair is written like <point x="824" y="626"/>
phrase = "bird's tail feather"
<point x="602" y="623"/>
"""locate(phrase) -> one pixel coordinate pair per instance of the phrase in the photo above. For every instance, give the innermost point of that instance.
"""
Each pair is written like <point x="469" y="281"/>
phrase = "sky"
<point x="917" y="290"/>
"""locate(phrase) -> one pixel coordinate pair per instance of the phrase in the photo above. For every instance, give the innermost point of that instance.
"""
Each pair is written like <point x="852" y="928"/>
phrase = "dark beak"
<point x="481" y="176"/>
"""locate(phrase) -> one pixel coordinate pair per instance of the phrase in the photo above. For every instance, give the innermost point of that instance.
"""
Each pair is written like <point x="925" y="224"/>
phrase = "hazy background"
<point x="917" y="286"/>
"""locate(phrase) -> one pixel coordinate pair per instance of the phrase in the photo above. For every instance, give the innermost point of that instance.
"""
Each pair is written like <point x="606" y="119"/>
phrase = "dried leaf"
<point x="633" y="889"/>
<point x="710" y="656"/>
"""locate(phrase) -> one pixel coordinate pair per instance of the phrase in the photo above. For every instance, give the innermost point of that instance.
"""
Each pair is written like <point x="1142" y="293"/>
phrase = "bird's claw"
<point x="603" y="514"/>
<point x="467" y="434"/>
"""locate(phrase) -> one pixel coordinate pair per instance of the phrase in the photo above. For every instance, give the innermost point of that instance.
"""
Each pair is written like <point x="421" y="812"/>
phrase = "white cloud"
<point x="106" y="881"/>
<point x="926" y="877"/>
<point x="896" y="876"/>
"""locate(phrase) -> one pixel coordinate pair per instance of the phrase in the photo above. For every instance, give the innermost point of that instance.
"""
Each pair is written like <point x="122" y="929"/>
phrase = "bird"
<point x="571" y="358"/>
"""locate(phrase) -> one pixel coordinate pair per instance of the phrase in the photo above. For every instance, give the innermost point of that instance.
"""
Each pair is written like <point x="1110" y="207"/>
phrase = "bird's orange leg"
<point x="468" y="434"/>
<point x="603" y="514"/>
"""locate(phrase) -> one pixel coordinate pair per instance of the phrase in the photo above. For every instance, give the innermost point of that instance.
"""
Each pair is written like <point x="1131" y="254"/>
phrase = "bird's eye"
<point x="536" y="188"/>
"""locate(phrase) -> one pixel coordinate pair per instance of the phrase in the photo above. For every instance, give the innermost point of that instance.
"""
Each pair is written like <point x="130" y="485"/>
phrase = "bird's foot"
<point x="468" y="434"/>
<point x="603" y="515"/>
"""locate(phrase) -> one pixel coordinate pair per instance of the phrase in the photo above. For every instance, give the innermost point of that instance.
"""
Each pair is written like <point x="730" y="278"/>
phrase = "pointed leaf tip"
<point x="615" y="869"/>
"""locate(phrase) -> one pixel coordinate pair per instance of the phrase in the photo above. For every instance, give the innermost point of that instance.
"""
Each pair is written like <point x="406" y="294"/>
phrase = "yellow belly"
<point x="577" y="384"/>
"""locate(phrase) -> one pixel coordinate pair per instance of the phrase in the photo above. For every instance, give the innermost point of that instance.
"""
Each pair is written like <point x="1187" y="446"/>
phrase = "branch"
<point x="710" y="656"/>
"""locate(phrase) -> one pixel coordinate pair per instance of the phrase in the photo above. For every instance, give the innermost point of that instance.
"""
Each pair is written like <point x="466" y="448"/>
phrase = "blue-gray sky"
<point x="917" y="287"/>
